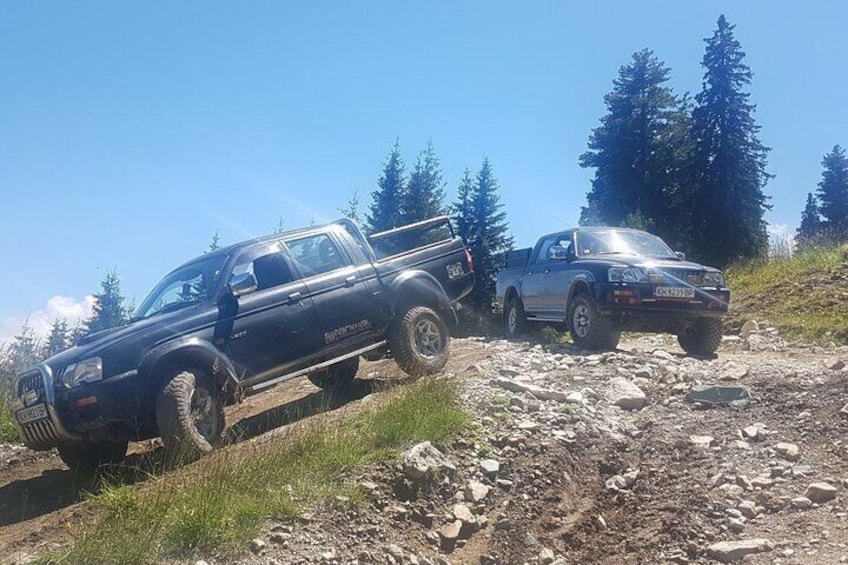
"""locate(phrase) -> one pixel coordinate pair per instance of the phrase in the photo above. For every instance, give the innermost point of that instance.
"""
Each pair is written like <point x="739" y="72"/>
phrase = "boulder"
<point x="624" y="394"/>
<point x="732" y="551"/>
<point x="820" y="492"/>
<point x="423" y="459"/>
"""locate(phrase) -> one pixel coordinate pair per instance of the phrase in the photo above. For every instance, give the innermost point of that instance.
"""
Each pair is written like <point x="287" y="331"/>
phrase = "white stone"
<point x="730" y="551"/>
<point x="624" y="394"/>
<point x="820" y="492"/>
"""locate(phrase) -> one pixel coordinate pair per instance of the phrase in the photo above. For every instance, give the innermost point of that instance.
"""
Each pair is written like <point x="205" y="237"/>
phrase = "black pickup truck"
<point x="239" y="320"/>
<point x="602" y="281"/>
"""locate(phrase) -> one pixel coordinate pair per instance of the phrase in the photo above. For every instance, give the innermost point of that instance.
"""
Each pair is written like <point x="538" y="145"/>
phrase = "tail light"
<point x="469" y="261"/>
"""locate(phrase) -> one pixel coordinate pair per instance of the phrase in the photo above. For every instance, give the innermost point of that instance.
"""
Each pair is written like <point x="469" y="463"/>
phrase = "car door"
<point x="349" y="313"/>
<point x="273" y="328"/>
<point x="560" y="273"/>
<point x="533" y="291"/>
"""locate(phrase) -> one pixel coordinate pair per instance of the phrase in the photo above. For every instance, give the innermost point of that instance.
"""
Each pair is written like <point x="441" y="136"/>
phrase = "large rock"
<point x="748" y="328"/>
<point x="788" y="451"/>
<point x="624" y="394"/>
<point x="732" y="551"/>
<point x="535" y="390"/>
<point x="716" y="395"/>
<point x="475" y="491"/>
<point x="820" y="492"/>
<point x="448" y="534"/>
<point x="423" y="459"/>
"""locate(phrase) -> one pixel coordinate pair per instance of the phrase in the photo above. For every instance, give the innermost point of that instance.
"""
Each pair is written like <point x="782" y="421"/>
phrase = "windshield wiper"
<point x="172" y="307"/>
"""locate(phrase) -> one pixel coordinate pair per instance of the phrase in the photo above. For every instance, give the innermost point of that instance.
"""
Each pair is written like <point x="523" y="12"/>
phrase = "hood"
<point x="646" y="263"/>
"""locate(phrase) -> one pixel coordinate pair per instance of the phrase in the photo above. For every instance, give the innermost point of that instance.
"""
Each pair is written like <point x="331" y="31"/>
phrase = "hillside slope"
<point x="804" y="297"/>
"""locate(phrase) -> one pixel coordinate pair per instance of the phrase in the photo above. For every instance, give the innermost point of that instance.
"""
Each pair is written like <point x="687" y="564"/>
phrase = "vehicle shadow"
<point x="55" y="489"/>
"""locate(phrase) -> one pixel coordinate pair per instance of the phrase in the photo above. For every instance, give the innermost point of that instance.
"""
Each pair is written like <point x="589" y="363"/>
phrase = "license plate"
<point x="31" y="414"/>
<point x="454" y="270"/>
<point x="674" y="292"/>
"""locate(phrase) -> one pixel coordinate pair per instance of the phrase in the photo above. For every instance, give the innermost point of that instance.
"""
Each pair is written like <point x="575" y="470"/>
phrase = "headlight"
<point x="87" y="371"/>
<point x="625" y="274"/>
<point x="713" y="278"/>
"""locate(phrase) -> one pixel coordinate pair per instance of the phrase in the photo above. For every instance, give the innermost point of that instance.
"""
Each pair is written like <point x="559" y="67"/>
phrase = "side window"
<point x="269" y="270"/>
<point x="317" y="254"/>
<point x="545" y="250"/>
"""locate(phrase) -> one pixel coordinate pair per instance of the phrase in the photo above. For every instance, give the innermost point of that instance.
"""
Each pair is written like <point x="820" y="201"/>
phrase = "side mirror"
<point x="242" y="284"/>
<point x="559" y="253"/>
<point x="680" y="255"/>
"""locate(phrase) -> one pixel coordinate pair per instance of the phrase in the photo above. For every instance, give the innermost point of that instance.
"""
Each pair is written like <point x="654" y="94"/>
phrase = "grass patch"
<point x="216" y="506"/>
<point x="8" y="433"/>
<point x="802" y="295"/>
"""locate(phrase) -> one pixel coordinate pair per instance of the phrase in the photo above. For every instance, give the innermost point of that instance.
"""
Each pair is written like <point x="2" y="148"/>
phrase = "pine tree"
<point x="215" y="243"/>
<point x="351" y="209"/>
<point x="833" y="193"/>
<point x="728" y="165"/>
<point x="109" y="309"/>
<point x="386" y="211"/>
<point x="23" y="351"/>
<point x="58" y="339"/>
<point x="811" y="224"/>
<point x="281" y="227"/>
<point x="424" y="196"/>
<point x="462" y="211"/>
<point x="488" y="233"/>
<point x="633" y="151"/>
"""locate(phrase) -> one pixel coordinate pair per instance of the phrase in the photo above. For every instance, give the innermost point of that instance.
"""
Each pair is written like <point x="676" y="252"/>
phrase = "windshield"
<point x="186" y="286"/>
<point x="614" y="242"/>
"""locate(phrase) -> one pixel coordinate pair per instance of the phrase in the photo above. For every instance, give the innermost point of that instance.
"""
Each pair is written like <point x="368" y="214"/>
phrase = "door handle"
<point x="350" y="281"/>
<point x="547" y="271"/>
<point x="294" y="297"/>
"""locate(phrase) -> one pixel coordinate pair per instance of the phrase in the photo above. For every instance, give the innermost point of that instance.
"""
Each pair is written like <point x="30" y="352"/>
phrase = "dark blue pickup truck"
<point x="601" y="281"/>
<point x="239" y="320"/>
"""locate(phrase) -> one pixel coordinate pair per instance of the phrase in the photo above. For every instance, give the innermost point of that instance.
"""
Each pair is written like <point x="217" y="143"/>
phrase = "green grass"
<point x="214" y="507"/>
<point x="801" y="296"/>
<point x="8" y="433"/>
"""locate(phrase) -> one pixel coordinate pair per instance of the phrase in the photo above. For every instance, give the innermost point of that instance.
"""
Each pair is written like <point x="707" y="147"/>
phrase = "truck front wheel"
<point x="588" y="327"/>
<point x="87" y="456"/>
<point x="190" y="415"/>
<point x="336" y="377"/>
<point x="702" y="338"/>
<point x="420" y="341"/>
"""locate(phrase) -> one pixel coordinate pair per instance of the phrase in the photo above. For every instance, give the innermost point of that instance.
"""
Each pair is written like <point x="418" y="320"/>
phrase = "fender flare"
<point x="419" y="287"/>
<point x="188" y="352"/>
<point x="580" y="282"/>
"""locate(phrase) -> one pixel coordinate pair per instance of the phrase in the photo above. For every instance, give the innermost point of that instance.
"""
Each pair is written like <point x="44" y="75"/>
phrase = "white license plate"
<point x="31" y="414"/>
<point x="674" y="292"/>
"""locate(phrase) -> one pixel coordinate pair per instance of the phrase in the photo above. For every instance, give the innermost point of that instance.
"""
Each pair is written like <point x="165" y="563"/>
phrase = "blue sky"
<point x="131" y="131"/>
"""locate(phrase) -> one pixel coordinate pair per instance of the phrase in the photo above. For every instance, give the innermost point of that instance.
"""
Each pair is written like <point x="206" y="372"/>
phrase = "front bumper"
<point x="640" y="300"/>
<point x="107" y="408"/>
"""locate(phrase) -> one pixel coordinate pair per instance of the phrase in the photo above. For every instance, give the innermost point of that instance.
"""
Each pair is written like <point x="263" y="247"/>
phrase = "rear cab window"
<point x="317" y="254"/>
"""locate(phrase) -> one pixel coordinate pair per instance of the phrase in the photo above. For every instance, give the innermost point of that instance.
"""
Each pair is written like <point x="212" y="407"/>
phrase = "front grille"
<point x="41" y="434"/>
<point x="682" y="276"/>
<point x="32" y="382"/>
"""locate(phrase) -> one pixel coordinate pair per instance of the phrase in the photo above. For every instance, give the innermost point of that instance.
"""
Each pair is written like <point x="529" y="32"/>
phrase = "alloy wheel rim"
<point x="204" y="413"/>
<point x="511" y="319"/>
<point x="428" y="338"/>
<point x="581" y="320"/>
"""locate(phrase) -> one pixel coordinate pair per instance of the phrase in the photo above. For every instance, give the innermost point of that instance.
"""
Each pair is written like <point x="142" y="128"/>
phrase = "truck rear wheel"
<point x="515" y="322"/>
<point x="190" y="415"/>
<point x="88" y="456"/>
<point x="588" y="327"/>
<point x="336" y="377"/>
<point x="420" y="341"/>
<point x="703" y="337"/>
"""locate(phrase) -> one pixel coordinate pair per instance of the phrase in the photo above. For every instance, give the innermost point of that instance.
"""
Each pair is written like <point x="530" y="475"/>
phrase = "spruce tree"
<point x="109" y="310"/>
<point x="385" y="211"/>
<point x="462" y="211"/>
<point x="424" y="195"/>
<point x="488" y="234"/>
<point x="633" y="151"/>
<point x="23" y="351"/>
<point x="351" y="209"/>
<point x="58" y="339"/>
<point x="811" y="224"/>
<point x="833" y="193"/>
<point x="728" y="165"/>
<point x="215" y="243"/>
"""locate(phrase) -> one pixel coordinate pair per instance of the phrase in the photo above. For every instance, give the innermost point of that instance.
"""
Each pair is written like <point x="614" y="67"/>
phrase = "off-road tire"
<point x="88" y="456"/>
<point x="588" y="327"/>
<point x="515" y="321"/>
<point x="703" y="337"/>
<point x="420" y="341"/>
<point x="336" y="377"/>
<point x="190" y="415"/>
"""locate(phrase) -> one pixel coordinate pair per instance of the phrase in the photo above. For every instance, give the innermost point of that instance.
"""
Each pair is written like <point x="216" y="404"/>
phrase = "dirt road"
<point x="600" y="459"/>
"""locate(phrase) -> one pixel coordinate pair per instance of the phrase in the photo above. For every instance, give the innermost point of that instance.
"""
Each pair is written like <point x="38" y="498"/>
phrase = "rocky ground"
<point x="641" y="455"/>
